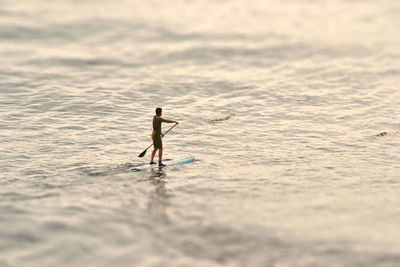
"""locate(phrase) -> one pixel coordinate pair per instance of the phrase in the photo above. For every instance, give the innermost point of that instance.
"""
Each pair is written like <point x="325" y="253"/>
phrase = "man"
<point x="156" y="136"/>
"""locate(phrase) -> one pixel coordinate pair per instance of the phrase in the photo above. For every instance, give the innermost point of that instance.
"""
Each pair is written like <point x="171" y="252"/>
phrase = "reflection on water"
<point x="159" y="198"/>
<point x="157" y="176"/>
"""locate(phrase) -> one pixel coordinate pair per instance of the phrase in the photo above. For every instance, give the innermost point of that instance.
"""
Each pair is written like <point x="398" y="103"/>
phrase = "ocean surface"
<point x="291" y="109"/>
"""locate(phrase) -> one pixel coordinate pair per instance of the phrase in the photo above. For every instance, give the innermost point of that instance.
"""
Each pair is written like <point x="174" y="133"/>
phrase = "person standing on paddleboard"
<point x="156" y="136"/>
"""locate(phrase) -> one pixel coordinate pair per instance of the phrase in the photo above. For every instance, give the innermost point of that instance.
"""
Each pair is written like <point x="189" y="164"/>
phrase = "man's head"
<point x="158" y="111"/>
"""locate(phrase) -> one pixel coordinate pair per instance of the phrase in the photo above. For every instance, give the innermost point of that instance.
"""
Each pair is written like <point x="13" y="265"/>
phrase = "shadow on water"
<point x="118" y="169"/>
<point x="108" y="170"/>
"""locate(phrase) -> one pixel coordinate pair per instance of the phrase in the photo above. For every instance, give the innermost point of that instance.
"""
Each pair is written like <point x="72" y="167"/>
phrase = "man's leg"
<point x="153" y="154"/>
<point x="160" y="150"/>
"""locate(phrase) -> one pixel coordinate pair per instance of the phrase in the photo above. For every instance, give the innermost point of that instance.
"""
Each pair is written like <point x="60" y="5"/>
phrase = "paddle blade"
<point x="142" y="154"/>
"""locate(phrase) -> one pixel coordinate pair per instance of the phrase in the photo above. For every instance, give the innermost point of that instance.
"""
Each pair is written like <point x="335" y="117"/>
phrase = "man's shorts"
<point x="156" y="141"/>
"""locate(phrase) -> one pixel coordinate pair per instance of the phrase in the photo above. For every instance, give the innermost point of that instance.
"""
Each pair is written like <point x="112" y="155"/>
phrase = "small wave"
<point x="13" y="196"/>
<point x="386" y="133"/>
<point x="98" y="172"/>
<point x="223" y="119"/>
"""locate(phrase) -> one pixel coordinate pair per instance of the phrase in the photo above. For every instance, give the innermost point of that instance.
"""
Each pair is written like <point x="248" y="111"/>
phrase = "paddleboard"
<point x="167" y="163"/>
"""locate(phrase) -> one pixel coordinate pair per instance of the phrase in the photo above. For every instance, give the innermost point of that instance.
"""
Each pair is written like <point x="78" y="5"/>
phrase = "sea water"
<point x="291" y="109"/>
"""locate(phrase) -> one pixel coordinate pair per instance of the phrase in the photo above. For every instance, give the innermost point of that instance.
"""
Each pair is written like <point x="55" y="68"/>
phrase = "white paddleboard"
<point x="167" y="163"/>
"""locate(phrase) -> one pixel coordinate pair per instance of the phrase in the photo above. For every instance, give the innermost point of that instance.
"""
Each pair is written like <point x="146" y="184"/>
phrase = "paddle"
<point x="144" y="152"/>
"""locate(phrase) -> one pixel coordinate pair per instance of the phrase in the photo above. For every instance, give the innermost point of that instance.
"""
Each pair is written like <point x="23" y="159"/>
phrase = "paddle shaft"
<point x="170" y="129"/>
<point x="144" y="152"/>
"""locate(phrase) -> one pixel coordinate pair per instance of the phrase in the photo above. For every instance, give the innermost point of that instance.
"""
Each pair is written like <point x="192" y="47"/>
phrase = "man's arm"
<point x="169" y="121"/>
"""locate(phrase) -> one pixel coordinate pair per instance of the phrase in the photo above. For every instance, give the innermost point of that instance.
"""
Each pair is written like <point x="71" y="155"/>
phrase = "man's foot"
<point x="152" y="162"/>
<point x="160" y="164"/>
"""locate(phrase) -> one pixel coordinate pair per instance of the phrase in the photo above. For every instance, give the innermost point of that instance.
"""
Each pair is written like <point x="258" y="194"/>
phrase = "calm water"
<point x="303" y="172"/>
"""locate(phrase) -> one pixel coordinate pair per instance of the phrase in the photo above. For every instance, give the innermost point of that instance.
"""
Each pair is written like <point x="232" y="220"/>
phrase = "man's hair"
<point x="158" y="111"/>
